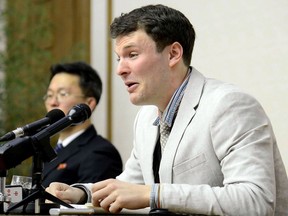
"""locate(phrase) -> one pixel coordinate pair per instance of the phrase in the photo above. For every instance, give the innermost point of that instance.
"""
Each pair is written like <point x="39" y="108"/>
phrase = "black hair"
<point x="90" y="81"/>
<point x="163" y="24"/>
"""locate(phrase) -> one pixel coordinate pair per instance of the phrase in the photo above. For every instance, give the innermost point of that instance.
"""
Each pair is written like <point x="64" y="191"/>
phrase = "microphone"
<point x="32" y="128"/>
<point x="23" y="147"/>
<point x="77" y="115"/>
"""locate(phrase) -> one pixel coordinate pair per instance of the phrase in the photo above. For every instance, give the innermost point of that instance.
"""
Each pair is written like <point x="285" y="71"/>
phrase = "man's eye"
<point x="132" y="55"/>
<point x="63" y="94"/>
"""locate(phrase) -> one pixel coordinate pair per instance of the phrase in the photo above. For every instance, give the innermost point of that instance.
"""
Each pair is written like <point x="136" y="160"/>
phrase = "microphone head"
<point x="79" y="113"/>
<point x="55" y="115"/>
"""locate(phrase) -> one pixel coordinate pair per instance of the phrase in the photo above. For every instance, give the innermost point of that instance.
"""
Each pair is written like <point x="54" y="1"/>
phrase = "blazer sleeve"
<point x="132" y="172"/>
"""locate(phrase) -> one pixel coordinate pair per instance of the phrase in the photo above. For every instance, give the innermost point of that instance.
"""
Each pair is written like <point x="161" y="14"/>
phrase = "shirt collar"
<point x="70" y="138"/>
<point x="170" y="111"/>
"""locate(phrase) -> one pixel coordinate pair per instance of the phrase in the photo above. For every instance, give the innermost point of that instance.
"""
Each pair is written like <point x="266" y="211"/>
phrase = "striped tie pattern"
<point x="164" y="134"/>
<point x="58" y="147"/>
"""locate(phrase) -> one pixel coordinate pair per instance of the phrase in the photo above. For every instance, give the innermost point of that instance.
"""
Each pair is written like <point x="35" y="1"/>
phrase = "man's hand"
<point x="114" y="195"/>
<point x="66" y="193"/>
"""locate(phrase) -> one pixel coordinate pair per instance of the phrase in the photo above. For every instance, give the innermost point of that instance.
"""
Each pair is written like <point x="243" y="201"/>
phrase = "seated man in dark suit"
<point x="84" y="155"/>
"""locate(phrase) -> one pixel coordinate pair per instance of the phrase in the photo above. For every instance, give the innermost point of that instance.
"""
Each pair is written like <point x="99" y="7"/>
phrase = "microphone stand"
<point x="38" y="145"/>
<point x="38" y="193"/>
<point x="3" y="197"/>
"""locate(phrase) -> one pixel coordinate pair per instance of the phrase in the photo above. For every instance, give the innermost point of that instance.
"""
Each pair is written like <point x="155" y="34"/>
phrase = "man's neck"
<point x="73" y="129"/>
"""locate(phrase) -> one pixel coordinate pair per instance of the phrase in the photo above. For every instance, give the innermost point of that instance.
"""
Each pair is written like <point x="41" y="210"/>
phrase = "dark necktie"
<point x="160" y="145"/>
<point x="156" y="161"/>
<point x="58" y="147"/>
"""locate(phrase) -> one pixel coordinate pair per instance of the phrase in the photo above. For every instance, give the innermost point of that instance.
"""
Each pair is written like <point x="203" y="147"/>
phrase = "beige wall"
<point x="243" y="42"/>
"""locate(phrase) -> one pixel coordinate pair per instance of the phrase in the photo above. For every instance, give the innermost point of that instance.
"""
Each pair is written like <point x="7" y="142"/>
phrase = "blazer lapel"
<point x="61" y="157"/>
<point x="71" y="149"/>
<point x="149" y="136"/>
<point x="185" y="114"/>
<point x="149" y="151"/>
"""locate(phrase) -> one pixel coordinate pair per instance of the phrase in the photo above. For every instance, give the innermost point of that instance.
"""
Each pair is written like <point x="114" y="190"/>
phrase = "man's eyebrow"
<point x="128" y="46"/>
<point x="60" y="89"/>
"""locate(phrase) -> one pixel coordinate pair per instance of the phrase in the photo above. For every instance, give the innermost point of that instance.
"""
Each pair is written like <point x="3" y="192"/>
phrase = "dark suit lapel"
<point x="71" y="149"/>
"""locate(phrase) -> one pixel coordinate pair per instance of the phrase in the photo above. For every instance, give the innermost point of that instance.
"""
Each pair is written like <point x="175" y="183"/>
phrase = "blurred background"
<point x="242" y="42"/>
<point x="34" y="35"/>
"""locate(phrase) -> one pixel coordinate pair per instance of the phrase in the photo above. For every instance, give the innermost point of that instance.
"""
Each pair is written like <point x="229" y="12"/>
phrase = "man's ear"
<point x="91" y="102"/>
<point x="175" y="53"/>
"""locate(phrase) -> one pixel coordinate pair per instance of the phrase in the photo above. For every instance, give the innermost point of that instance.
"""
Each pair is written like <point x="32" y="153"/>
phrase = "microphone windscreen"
<point x="79" y="113"/>
<point x="55" y="115"/>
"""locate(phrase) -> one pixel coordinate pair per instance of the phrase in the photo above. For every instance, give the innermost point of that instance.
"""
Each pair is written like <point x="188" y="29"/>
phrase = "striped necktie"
<point x="58" y="147"/>
<point x="164" y="134"/>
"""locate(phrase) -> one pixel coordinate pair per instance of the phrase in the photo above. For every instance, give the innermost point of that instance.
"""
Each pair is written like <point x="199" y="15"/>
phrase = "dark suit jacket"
<point x="88" y="158"/>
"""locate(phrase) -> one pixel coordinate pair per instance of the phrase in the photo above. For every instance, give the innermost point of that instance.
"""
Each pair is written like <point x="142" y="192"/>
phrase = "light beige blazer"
<point x="221" y="157"/>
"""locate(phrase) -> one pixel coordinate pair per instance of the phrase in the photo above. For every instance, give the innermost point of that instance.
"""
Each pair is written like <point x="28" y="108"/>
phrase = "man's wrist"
<point x="83" y="198"/>
<point x="87" y="194"/>
<point x="154" y="196"/>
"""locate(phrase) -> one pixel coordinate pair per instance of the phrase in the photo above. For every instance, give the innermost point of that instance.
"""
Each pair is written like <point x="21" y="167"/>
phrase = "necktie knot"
<point x="58" y="147"/>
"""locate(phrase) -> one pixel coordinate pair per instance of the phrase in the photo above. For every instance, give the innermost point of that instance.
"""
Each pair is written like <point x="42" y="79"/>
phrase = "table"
<point x="54" y="210"/>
